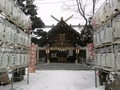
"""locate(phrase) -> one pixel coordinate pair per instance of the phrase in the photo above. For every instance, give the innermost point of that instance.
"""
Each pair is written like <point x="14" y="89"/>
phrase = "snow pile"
<point x="58" y="80"/>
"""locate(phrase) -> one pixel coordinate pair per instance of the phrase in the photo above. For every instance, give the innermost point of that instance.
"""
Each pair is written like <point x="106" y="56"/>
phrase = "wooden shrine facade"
<point x="61" y="44"/>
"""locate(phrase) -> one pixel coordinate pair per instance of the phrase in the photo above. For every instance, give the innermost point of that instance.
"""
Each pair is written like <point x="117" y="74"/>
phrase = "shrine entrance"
<point x="62" y="56"/>
<point x="62" y="43"/>
<point x="58" y="56"/>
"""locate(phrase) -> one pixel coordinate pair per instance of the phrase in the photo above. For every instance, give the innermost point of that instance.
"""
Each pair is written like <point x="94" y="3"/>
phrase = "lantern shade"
<point x="115" y="5"/>
<point x="8" y="8"/>
<point x="109" y="34"/>
<point x="110" y="60"/>
<point x="12" y="60"/>
<point x="2" y="4"/>
<point x="2" y="33"/>
<point x="5" y="61"/>
<point x="18" y="59"/>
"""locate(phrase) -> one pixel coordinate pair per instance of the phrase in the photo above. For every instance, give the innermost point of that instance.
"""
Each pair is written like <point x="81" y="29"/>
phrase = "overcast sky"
<point x="46" y="8"/>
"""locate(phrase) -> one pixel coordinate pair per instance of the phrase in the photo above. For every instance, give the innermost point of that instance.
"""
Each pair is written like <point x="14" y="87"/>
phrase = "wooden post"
<point x="37" y="55"/>
<point x="76" y="61"/>
<point x="95" y="77"/>
<point x="12" y="80"/>
<point x="28" y="75"/>
<point x="48" y="61"/>
<point x="116" y="81"/>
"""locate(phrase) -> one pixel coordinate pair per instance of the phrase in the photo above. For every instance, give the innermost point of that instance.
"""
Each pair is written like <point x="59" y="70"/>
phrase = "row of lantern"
<point x="10" y="58"/>
<point x="102" y="36"/>
<point x="9" y="33"/>
<point x="110" y="32"/>
<point x="105" y="60"/>
<point x="15" y="14"/>
<point x="105" y="57"/>
<point x="109" y="8"/>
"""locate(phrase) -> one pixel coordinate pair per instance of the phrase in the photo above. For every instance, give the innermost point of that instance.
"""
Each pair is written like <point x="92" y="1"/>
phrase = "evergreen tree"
<point x="87" y="34"/>
<point x="30" y="9"/>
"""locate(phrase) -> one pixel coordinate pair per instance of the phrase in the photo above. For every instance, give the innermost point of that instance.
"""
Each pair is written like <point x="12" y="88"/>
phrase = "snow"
<point x="57" y="80"/>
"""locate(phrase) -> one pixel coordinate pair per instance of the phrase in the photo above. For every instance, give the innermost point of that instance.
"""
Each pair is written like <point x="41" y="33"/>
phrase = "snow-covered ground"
<point x="57" y="80"/>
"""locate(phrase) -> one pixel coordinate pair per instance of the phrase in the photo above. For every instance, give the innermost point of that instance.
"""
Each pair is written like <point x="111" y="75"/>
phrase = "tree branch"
<point x="81" y="9"/>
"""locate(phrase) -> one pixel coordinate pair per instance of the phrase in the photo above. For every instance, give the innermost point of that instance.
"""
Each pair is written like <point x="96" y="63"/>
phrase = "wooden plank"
<point x="109" y="69"/>
<point x="116" y="42"/>
<point x="9" y="19"/>
<point x="62" y="48"/>
<point x="107" y="44"/>
<point x="104" y="45"/>
<point x="13" y="68"/>
<point x="105" y="68"/>
<point x="4" y="77"/>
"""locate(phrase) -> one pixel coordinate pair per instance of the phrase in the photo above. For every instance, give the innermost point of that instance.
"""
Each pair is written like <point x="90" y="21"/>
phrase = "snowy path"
<point x="57" y="80"/>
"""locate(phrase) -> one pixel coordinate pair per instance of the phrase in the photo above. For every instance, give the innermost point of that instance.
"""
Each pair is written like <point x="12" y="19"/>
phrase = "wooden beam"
<point x="51" y="26"/>
<point x="62" y="48"/>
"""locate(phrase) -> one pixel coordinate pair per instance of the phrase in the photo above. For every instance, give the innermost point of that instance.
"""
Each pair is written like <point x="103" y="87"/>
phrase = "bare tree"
<point x="85" y="9"/>
<point x="81" y="9"/>
<point x="83" y="6"/>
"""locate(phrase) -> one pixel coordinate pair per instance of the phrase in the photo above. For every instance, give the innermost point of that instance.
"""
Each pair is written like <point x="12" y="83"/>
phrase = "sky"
<point x="46" y="8"/>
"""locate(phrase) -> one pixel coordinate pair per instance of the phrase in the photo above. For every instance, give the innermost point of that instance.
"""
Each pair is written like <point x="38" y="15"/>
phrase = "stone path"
<point x="62" y="66"/>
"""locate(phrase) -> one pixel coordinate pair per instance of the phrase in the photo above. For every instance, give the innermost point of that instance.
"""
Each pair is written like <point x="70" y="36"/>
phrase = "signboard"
<point x="32" y="64"/>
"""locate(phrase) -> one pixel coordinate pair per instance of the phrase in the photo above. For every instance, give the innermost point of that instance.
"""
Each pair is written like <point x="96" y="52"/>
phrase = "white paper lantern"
<point x="22" y="59"/>
<point x="1" y="59"/>
<point x="12" y="60"/>
<point x="103" y="59"/>
<point x="2" y="4"/>
<point x="2" y="31"/>
<point x="108" y="34"/>
<point x="8" y="8"/>
<point x="117" y="61"/>
<point x="8" y="35"/>
<point x="14" y="14"/>
<point x="17" y="60"/>
<point x="19" y="18"/>
<point x="115" y="5"/>
<point x="110" y="60"/>
<point x="102" y="15"/>
<point x="108" y="10"/>
<point x="5" y="61"/>
<point x="102" y="34"/>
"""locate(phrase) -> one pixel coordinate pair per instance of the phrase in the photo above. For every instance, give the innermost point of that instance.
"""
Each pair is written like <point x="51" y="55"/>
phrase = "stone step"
<point x="62" y="66"/>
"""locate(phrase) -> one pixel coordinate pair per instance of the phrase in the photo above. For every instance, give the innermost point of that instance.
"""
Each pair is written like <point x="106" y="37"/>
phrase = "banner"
<point x="32" y="64"/>
<point x="91" y="50"/>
